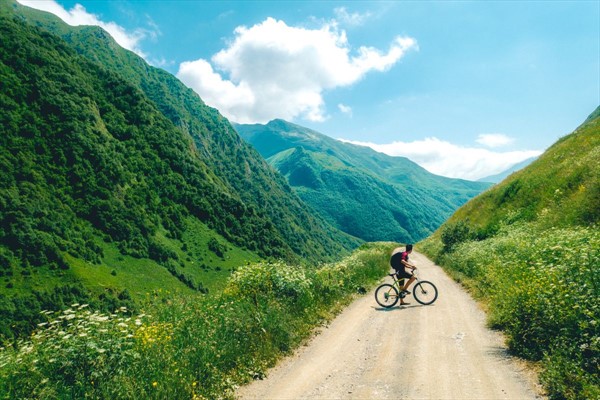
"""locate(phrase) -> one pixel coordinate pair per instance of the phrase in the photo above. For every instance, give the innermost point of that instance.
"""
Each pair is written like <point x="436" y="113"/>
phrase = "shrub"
<point x="454" y="234"/>
<point x="196" y="347"/>
<point x="541" y="287"/>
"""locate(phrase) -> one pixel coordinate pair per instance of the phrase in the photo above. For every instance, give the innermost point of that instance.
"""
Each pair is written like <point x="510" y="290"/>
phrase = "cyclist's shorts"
<point x="403" y="274"/>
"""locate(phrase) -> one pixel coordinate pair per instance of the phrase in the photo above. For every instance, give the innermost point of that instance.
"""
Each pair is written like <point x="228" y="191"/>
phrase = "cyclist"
<point x="399" y="261"/>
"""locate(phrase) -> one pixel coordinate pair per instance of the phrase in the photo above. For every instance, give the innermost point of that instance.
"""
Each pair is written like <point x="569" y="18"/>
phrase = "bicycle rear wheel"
<point x="386" y="295"/>
<point x="425" y="292"/>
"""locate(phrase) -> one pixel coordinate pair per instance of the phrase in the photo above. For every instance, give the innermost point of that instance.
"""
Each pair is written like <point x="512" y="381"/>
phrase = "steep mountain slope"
<point x="529" y="248"/>
<point x="560" y="188"/>
<point x="502" y="175"/>
<point x="104" y="198"/>
<point x="364" y="193"/>
<point x="236" y="164"/>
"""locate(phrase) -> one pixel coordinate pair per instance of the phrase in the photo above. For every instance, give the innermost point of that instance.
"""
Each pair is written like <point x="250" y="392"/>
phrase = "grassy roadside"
<point x="186" y="346"/>
<point x="541" y="287"/>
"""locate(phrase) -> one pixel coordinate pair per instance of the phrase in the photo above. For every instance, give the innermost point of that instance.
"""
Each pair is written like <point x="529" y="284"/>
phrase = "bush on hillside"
<point x="454" y="234"/>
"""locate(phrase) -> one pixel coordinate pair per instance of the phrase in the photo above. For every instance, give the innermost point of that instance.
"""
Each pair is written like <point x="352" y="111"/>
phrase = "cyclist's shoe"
<point x="404" y="304"/>
<point x="405" y="292"/>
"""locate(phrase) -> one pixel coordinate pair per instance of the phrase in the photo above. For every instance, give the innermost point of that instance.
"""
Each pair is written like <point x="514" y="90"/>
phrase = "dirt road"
<point x="442" y="351"/>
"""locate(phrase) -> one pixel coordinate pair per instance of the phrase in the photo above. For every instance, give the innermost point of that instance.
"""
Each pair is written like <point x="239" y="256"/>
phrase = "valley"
<point x="151" y="248"/>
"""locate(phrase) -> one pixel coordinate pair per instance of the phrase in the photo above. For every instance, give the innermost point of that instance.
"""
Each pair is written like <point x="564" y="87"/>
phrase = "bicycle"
<point x="387" y="295"/>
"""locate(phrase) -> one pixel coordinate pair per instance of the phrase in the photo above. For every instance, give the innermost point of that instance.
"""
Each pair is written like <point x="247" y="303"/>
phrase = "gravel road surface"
<point x="441" y="351"/>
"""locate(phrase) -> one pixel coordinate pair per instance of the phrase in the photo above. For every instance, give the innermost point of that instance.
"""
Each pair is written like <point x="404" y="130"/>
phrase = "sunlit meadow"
<point x="196" y="347"/>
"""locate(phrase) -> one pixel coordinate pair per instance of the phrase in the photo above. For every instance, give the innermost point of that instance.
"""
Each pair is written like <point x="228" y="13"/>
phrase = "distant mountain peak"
<point x="362" y="192"/>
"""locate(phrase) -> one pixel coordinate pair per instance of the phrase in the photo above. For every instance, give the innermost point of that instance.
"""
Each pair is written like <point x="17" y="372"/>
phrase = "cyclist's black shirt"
<point x="396" y="260"/>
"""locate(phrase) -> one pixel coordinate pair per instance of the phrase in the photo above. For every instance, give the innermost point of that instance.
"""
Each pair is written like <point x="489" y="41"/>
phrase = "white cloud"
<point x="352" y="19"/>
<point x="447" y="159"/>
<point x="78" y="15"/>
<point x="494" y="139"/>
<point x="272" y="70"/>
<point x="345" y="109"/>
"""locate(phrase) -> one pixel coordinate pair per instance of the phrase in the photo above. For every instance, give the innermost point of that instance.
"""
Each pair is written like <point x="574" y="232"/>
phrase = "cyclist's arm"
<point x="406" y="264"/>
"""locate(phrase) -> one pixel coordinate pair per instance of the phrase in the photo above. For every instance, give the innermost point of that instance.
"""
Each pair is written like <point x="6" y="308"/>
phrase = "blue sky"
<point x="465" y="89"/>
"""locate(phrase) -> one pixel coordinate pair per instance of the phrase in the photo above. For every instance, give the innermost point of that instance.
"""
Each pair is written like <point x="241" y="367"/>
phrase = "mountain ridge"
<point x="367" y="194"/>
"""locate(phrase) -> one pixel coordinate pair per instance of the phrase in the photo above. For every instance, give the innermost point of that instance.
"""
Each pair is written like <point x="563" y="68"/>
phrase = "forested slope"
<point x="106" y="195"/>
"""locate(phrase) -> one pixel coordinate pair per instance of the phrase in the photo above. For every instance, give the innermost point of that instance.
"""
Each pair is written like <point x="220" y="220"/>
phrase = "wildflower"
<point x="154" y="384"/>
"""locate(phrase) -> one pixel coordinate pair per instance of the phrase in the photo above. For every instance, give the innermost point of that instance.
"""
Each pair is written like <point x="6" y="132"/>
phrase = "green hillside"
<point x="560" y="188"/>
<point x="364" y="193"/>
<point x="107" y="194"/>
<point x="529" y="249"/>
<point x="497" y="178"/>
<point x="238" y="167"/>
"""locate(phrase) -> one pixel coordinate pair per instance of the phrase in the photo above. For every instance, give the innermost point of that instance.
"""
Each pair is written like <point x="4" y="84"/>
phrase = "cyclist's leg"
<point x="404" y="276"/>
<point x="410" y="281"/>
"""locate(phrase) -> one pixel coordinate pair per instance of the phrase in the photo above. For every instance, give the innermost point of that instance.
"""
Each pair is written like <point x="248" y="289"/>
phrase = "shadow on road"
<point x="399" y="307"/>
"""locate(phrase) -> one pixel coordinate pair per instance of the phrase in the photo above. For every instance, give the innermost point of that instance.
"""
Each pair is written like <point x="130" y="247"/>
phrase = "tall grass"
<point x="542" y="288"/>
<point x="193" y="347"/>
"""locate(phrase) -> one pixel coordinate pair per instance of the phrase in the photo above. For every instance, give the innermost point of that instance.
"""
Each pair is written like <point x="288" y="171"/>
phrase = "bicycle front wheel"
<point x="425" y="292"/>
<point x="386" y="295"/>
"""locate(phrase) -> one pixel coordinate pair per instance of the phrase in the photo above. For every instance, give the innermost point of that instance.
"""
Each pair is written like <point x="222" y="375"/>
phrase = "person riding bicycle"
<point x="399" y="261"/>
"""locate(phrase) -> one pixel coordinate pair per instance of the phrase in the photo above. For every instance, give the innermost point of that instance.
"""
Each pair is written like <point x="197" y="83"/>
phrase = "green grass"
<point x="140" y="276"/>
<point x="186" y="346"/>
<point x="210" y="268"/>
<point x="202" y="259"/>
<point x="541" y="288"/>
<point x="562" y="187"/>
<point x="529" y="250"/>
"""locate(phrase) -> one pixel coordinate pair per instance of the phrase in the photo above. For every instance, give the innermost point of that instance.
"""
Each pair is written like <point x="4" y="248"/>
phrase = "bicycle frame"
<point x="387" y="295"/>
<point x="399" y="283"/>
